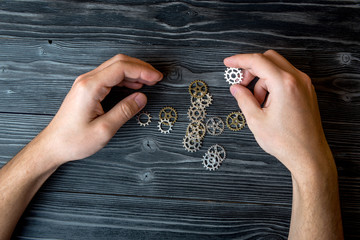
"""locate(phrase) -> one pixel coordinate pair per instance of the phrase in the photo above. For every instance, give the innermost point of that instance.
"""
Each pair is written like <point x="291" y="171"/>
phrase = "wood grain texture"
<point x="143" y="184"/>
<point x="289" y="24"/>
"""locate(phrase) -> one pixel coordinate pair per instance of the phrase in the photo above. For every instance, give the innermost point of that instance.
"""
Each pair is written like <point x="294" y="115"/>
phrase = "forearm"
<point x="20" y="179"/>
<point x="316" y="207"/>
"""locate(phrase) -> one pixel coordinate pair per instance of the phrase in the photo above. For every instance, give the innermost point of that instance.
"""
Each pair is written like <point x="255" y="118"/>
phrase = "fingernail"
<point x="233" y="90"/>
<point x="140" y="100"/>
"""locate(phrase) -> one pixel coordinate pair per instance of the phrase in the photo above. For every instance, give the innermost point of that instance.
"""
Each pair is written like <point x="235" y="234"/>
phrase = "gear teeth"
<point x="196" y="114"/>
<point x="165" y="122"/>
<point x="211" y="161"/>
<point x="198" y="88"/>
<point x="191" y="144"/>
<point x="196" y="128"/>
<point x="215" y="126"/>
<point x="148" y="120"/>
<point x="168" y="113"/>
<point x="233" y="120"/>
<point x="233" y="75"/>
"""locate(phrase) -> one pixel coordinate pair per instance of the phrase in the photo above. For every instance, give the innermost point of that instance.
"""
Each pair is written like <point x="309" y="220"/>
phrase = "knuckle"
<point x="104" y="129"/>
<point x="120" y="57"/>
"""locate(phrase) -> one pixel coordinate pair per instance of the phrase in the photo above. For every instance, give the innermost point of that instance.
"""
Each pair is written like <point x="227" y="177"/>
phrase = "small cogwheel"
<point x="198" y="89"/>
<point x="191" y="144"/>
<point x="196" y="114"/>
<point x="235" y="121"/>
<point x="165" y="126"/>
<point x="233" y="75"/>
<point x="219" y="151"/>
<point x="143" y="119"/>
<point x="196" y="128"/>
<point x="215" y="126"/>
<point x="168" y="113"/>
<point x="211" y="161"/>
<point x="203" y="102"/>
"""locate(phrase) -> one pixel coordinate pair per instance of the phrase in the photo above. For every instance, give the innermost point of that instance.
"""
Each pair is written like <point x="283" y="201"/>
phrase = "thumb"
<point x="246" y="101"/>
<point x="123" y="111"/>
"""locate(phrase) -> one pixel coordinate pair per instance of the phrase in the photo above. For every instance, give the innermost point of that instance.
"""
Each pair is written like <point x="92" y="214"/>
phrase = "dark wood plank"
<point x="144" y="184"/>
<point x="261" y="24"/>
<point x="60" y="215"/>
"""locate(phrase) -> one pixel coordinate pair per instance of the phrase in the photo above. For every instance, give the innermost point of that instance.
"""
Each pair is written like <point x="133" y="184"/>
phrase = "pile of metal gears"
<point x="167" y="118"/>
<point x="200" y="99"/>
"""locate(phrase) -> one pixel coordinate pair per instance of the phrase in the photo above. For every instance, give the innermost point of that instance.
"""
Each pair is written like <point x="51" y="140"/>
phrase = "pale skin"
<point x="287" y="127"/>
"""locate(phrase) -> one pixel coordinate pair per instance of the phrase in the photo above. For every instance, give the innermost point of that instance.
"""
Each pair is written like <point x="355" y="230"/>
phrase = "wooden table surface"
<point x="143" y="184"/>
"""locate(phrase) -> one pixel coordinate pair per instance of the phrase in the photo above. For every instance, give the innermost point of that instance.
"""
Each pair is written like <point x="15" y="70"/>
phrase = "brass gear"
<point x="198" y="89"/>
<point x="235" y="121"/>
<point x="197" y="129"/>
<point x="168" y="113"/>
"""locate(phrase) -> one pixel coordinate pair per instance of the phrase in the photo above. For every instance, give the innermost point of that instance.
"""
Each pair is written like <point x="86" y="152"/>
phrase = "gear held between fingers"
<point x="233" y="75"/>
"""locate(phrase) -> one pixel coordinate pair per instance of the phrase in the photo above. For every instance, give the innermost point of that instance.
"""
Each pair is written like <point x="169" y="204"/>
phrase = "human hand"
<point x="288" y="126"/>
<point x="81" y="128"/>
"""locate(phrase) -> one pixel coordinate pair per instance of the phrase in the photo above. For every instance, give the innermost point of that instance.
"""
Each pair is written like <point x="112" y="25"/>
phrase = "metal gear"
<point x="215" y="126"/>
<point x="141" y="121"/>
<point x="168" y="124"/>
<point x="191" y="144"/>
<point x="211" y="161"/>
<point x="235" y="121"/>
<point x="203" y="102"/>
<point x="218" y="150"/>
<point x="233" y="75"/>
<point x="198" y="89"/>
<point x="168" y="113"/>
<point x="196" y="113"/>
<point x="197" y="129"/>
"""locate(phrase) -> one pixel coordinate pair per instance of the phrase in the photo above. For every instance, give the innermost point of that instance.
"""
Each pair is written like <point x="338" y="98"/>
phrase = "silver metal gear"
<point x="196" y="129"/>
<point x="191" y="144"/>
<point x="165" y="123"/>
<point x="196" y="113"/>
<point x="215" y="126"/>
<point x="218" y="150"/>
<point x="211" y="161"/>
<point x="141" y="122"/>
<point x="233" y="75"/>
<point x="202" y="102"/>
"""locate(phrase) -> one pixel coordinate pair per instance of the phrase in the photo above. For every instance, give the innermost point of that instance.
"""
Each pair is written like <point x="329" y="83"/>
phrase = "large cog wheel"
<point x="191" y="144"/>
<point x="203" y="102"/>
<point x="211" y="161"/>
<point x="196" y="129"/>
<point x="196" y="114"/>
<point x="215" y="126"/>
<point x="235" y="121"/>
<point x="168" y="113"/>
<point x="198" y="89"/>
<point x="233" y="75"/>
<point x="219" y="151"/>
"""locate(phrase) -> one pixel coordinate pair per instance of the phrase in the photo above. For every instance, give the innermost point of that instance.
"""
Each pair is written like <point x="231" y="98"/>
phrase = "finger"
<point x="116" y="58"/>
<point x="132" y="85"/>
<point x="121" y="113"/>
<point x="246" y="101"/>
<point x="120" y="70"/>
<point x="280" y="61"/>
<point x="260" y="91"/>
<point x="257" y="64"/>
<point x="248" y="77"/>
